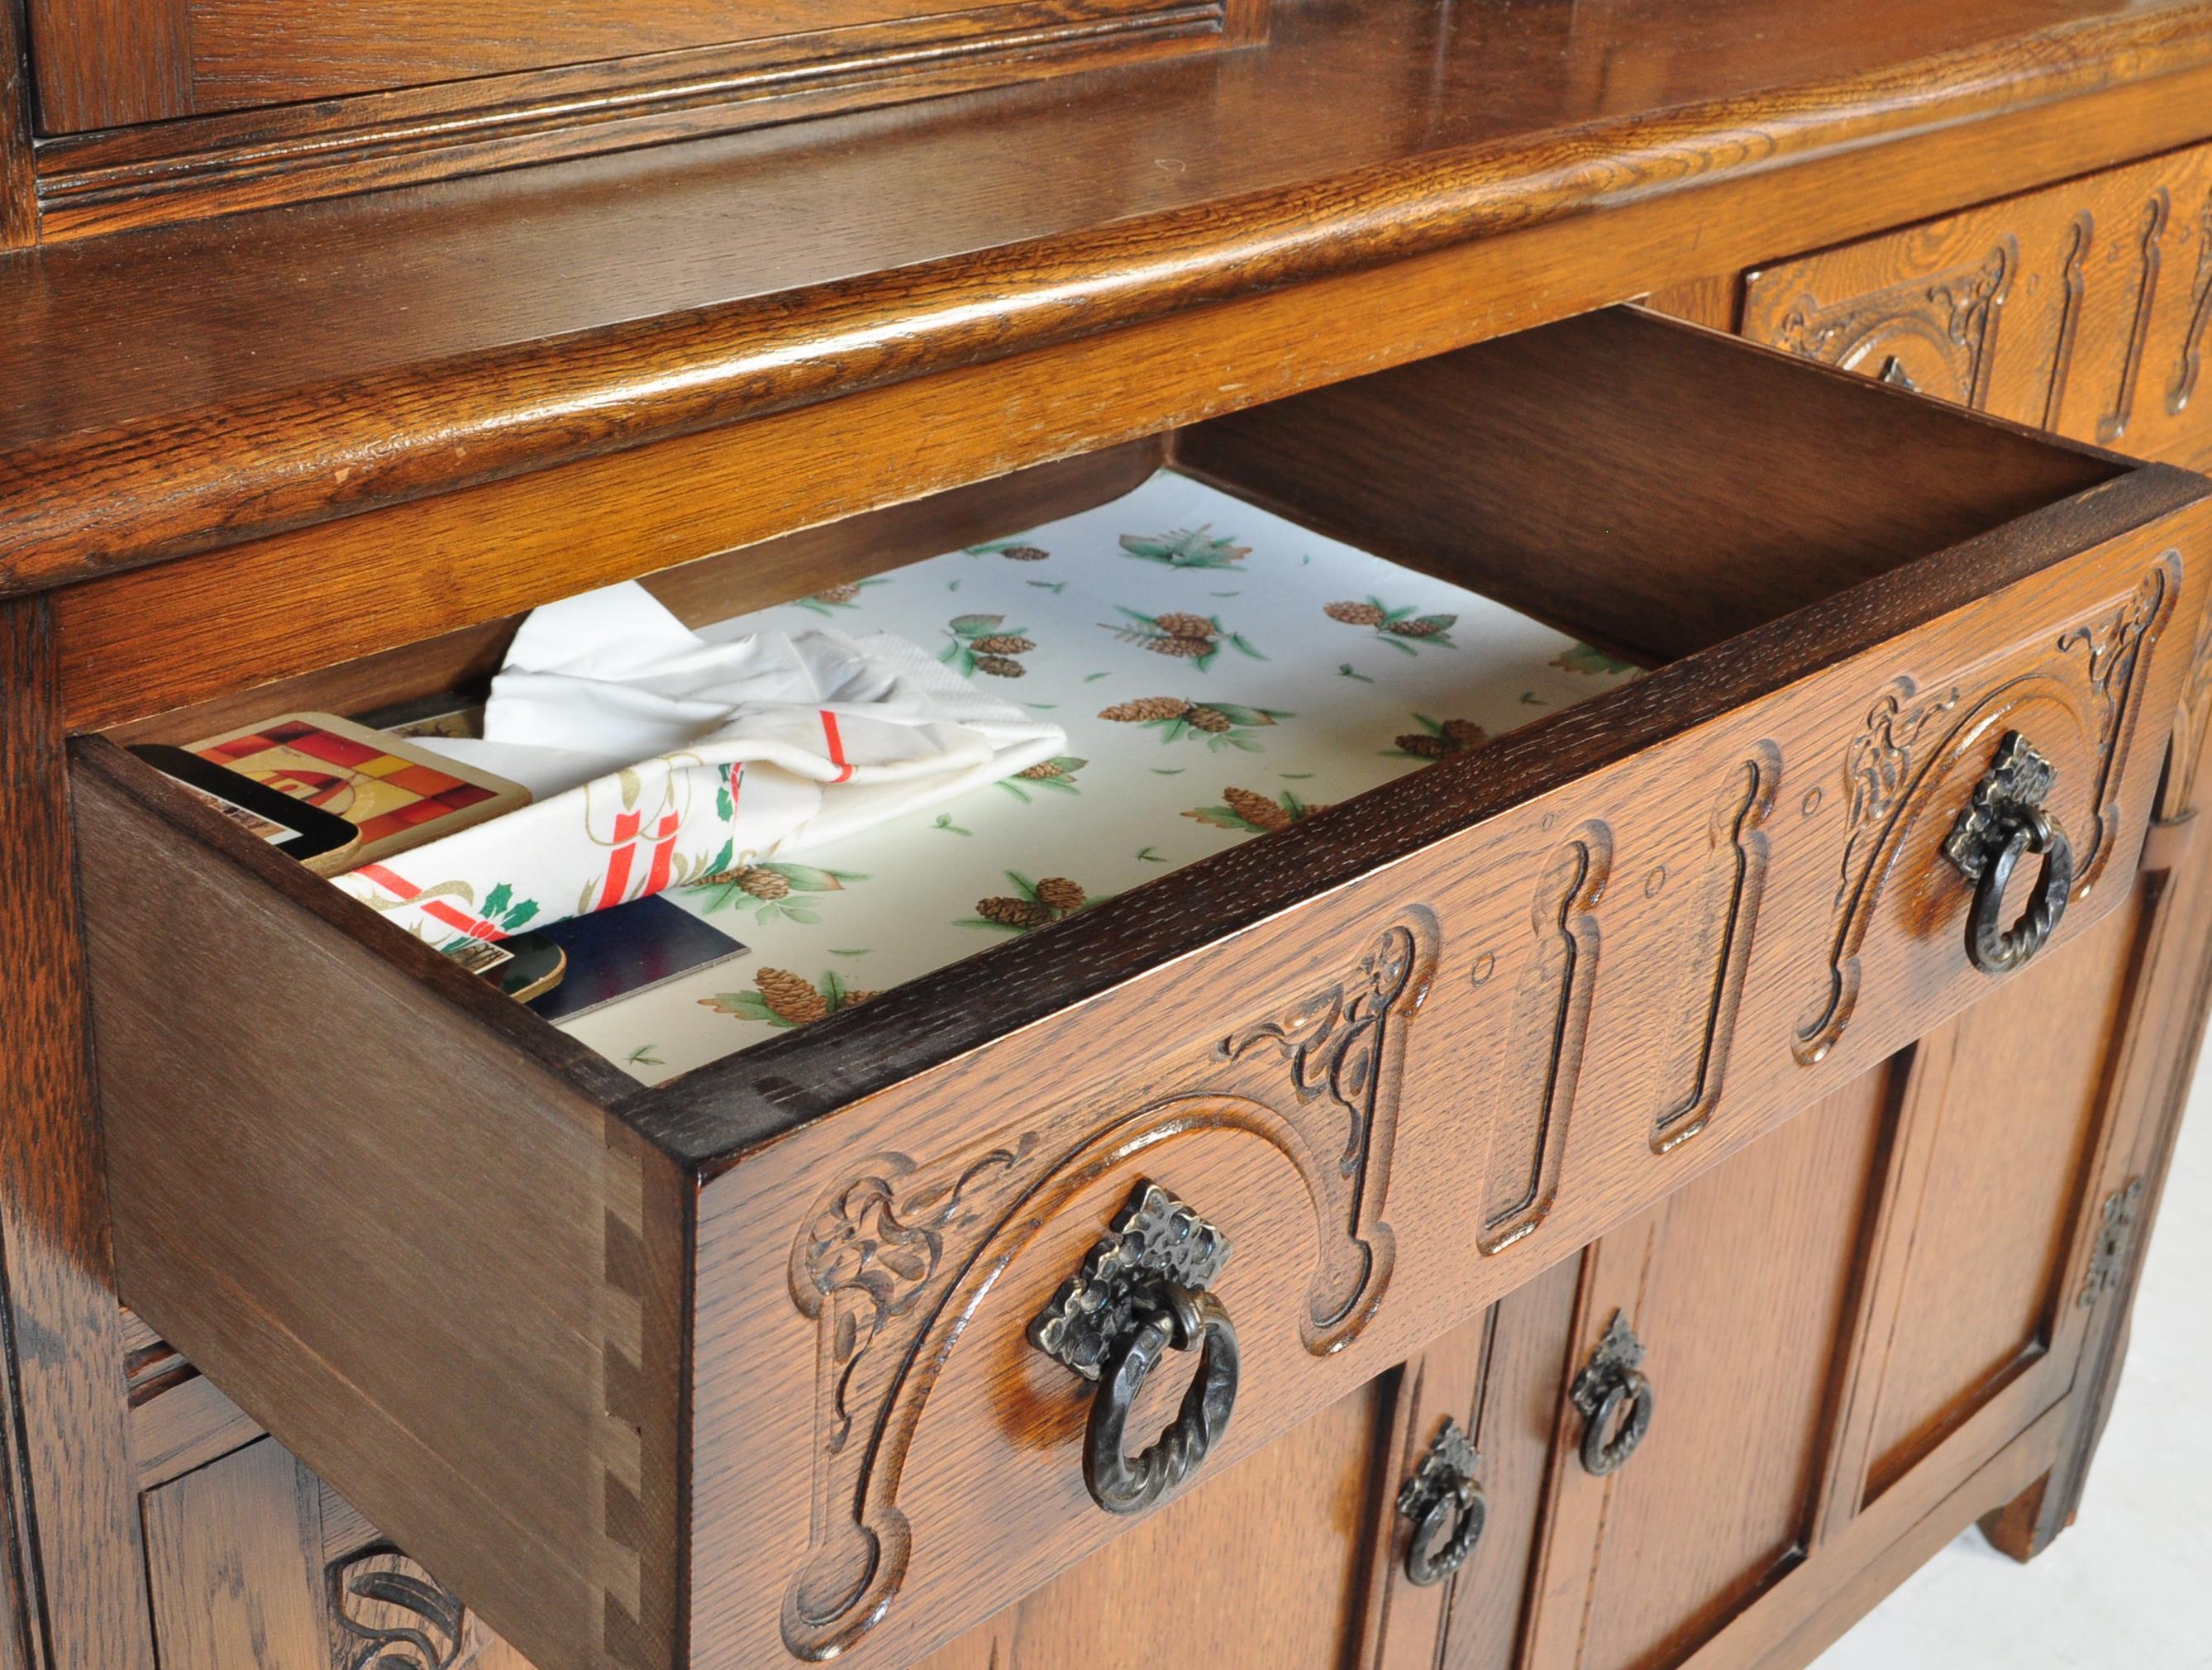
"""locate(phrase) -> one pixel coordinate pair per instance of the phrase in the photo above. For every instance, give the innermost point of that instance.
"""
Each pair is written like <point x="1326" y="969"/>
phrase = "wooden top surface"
<point x="186" y="387"/>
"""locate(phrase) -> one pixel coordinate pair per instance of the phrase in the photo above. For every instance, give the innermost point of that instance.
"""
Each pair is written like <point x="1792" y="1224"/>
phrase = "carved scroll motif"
<point x="2070" y="317"/>
<point x="1936" y="335"/>
<point x="1334" y="1044"/>
<point x="2114" y="423"/>
<point x="2179" y="798"/>
<point x="893" y="1260"/>
<point x="1879" y="769"/>
<point x="1895" y="767"/>
<point x="2190" y="364"/>
<point x="1727" y="916"/>
<point x="387" y="1614"/>
<point x="1550" y="1021"/>
<point x="2112" y="645"/>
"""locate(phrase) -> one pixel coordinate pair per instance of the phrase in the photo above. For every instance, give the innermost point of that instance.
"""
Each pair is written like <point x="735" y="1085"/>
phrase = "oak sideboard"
<point x="1619" y="1196"/>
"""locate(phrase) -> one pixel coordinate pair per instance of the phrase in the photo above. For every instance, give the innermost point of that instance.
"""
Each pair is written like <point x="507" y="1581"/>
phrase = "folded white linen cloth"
<point x="657" y="757"/>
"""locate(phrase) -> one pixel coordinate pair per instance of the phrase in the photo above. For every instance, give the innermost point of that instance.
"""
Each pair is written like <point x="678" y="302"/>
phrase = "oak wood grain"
<point x="1099" y="1049"/>
<point x="112" y="470"/>
<point x="294" y="103"/>
<point x="229" y="1562"/>
<point x="578" y="1468"/>
<point x="2085" y="308"/>
<point x="67" y="1363"/>
<point x="1753" y="1264"/>
<point x="19" y="202"/>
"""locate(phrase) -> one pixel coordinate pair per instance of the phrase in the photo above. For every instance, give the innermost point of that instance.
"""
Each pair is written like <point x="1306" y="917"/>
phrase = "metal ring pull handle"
<point x="1615" y="1399"/>
<point x="1121" y="1484"/>
<point x="2003" y="823"/>
<point x="1446" y="1506"/>
<point x="1142" y="1293"/>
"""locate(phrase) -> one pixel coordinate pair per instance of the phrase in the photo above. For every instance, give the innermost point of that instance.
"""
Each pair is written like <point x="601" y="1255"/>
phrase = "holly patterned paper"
<point x="1221" y="674"/>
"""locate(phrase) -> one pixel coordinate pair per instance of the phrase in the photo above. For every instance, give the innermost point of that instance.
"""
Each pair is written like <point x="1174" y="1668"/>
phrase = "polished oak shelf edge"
<point x="83" y="504"/>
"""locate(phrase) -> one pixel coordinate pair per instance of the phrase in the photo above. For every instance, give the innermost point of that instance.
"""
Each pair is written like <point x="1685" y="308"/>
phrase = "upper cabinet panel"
<point x="2083" y="308"/>
<point x="109" y="64"/>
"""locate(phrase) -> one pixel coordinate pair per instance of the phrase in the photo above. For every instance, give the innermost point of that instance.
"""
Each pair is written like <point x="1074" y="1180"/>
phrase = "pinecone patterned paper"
<point x="1023" y="554"/>
<point x="1181" y="649"/>
<point x="762" y="884"/>
<point x="1256" y="808"/>
<point x="792" y="997"/>
<point x="1014" y="912"/>
<point x="1002" y="644"/>
<point x="1354" y="614"/>
<point x="1059" y="894"/>
<point x="1250" y="812"/>
<point x="1043" y="771"/>
<point x="1208" y="718"/>
<point x="844" y="593"/>
<point x="1428" y="747"/>
<point x="1437" y="741"/>
<point x="1186" y="626"/>
<point x="999" y="666"/>
<point x="1145" y="709"/>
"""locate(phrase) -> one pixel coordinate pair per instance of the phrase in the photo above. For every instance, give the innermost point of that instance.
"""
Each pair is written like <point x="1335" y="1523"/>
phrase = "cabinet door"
<point x="1739" y="1293"/>
<point x="1496" y="1382"/>
<point x="2009" y="1144"/>
<point x="252" y="1564"/>
<point x="1264" y="1563"/>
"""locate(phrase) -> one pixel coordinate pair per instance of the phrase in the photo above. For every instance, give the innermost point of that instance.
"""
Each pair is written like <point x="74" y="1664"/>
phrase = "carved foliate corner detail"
<point x="1880" y="768"/>
<point x="872" y="1250"/>
<point x="891" y="1261"/>
<point x="2112" y="645"/>
<point x="2116" y="1240"/>
<point x="1343" y="1046"/>
<point x="1898" y="765"/>
<point x="1155" y="1238"/>
<point x="387" y="1614"/>
<point x="1936" y="335"/>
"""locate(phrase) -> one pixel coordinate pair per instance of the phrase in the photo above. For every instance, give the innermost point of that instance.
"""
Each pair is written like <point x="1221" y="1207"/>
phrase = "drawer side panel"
<point x="445" y="1277"/>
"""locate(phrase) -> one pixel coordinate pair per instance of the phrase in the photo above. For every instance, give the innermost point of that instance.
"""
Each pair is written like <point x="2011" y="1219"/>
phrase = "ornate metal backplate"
<point x="1444" y="1506"/>
<point x="1615" y="1399"/>
<point x="1451" y="1461"/>
<point x="1155" y="1239"/>
<point x="2018" y="777"/>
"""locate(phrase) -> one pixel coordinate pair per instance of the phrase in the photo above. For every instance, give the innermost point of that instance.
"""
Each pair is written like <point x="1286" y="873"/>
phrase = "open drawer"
<point x="738" y="1368"/>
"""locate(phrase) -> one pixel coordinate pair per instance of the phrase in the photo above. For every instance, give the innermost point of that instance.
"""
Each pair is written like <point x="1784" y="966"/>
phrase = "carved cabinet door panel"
<point x="2010" y="1175"/>
<point x="1265" y="1564"/>
<point x="1693" y="1445"/>
<point x="2085" y="308"/>
<point x="1477" y="1410"/>
<point x="253" y="1563"/>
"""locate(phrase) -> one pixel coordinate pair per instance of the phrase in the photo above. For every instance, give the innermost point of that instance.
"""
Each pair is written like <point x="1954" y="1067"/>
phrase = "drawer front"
<point x="2083" y="308"/>
<point x="1397" y="1103"/>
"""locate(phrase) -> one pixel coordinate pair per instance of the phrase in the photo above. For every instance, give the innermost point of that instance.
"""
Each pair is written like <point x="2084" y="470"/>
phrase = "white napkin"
<point x="657" y="757"/>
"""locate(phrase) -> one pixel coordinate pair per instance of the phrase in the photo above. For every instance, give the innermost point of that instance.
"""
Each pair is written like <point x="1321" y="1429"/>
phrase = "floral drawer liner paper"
<point x="1221" y="672"/>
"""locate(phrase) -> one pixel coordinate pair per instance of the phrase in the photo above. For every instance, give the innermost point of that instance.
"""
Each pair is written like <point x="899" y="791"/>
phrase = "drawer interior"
<point x="1435" y="556"/>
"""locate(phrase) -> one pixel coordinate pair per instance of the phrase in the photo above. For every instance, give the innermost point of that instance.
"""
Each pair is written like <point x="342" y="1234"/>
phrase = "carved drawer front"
<point x="2084" y="309"/>
<point x="836" y="1347"/>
